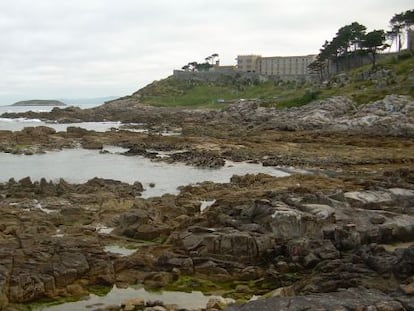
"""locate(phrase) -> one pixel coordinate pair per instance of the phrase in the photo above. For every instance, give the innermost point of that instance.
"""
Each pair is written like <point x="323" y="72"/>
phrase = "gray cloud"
<point x="86" y="48"/>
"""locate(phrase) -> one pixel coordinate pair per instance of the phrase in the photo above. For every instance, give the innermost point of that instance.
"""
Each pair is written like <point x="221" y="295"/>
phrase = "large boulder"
<point x="282" y="221"/>
<point x="228" y="244"/>
<point x="392" y="115"/>
<point x="290" y="223"/>
<point x="55" y="265"/>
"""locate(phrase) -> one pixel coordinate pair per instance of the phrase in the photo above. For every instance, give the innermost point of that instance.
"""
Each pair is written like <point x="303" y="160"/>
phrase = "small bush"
<point x="300" y="101"/>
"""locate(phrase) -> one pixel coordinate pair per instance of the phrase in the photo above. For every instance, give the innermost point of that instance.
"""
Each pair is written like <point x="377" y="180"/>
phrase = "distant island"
<point x="39" y="102"/>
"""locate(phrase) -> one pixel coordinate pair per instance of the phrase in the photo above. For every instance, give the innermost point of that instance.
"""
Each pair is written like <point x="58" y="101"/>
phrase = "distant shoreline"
<point x="38" y="103"/>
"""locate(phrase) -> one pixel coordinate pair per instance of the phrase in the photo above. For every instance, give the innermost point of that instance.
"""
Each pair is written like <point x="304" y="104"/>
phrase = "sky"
<point x="94" y="48"/>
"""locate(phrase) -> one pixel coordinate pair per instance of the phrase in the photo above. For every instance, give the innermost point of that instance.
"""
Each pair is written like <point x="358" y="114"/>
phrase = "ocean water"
<point x="191" y="300"/>
<point x="17" y="124"/>
<point x="80" y="165"/>
<point x="8" y="108"/>
<point x="20" y="123"/>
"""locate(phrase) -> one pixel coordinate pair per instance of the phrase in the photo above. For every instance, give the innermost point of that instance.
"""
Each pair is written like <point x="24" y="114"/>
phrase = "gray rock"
<point x="226" y="243"/>
<point x="349" y="299"/>
<point x="310" y="260"/>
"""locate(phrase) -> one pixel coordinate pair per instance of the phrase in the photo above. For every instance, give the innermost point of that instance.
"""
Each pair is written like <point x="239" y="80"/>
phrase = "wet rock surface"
<point x="336" y="234"/>
<point x="260" y="237"/>
<point x="350" y="299"/>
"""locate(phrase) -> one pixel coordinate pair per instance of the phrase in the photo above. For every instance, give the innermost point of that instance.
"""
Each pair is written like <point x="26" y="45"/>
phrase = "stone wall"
<point x="216" y="76"/>
<point x="410" y="40"/>
<point x="355" y="62"/>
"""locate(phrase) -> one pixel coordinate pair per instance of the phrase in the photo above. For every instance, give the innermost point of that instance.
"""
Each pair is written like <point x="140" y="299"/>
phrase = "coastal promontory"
<point x="39" y="102"/>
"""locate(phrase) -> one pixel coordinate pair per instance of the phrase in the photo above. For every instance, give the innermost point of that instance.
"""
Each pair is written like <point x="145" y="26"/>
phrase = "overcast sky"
<point x="93" y="48"/>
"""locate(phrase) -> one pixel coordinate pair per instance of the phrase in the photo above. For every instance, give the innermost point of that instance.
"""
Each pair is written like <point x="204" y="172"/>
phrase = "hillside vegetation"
<point x="363" y="85"/>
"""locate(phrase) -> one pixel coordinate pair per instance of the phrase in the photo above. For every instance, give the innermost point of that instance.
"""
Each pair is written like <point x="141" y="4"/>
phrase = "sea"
<point x="79" y="165"/>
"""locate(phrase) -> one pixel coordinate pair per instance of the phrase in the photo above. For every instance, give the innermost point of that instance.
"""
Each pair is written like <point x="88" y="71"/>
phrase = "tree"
<point x="357" y="34"/>
<point x="212" y="58"/>
<point x="345" y="45"/>
<point x="396" y="30"/>
<point x="195" y="66"/>
<point x="203" y="66"/>
<point x="321" y="64"/>
<point x="317" y="66"/>
<point x="348" y="41"/>
<point x="373" y="42"/>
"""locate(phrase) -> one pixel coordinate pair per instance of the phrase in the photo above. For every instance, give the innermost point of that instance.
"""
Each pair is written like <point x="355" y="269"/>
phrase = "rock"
<point x="251" y="273"/>
<point x="4" y="301"/>
<point x="368" y="197"/>
<point x="169" y="261"/>
<point x="218" y="303"/>
<point x="377" y="220"/>
<point x="404" y="267"/>
<point x="26" y="182"/>
<point x="230" y="244"/>
<point x="287" y="291"/>
<point x="347" y="237"/>
<point x="245" y="289"/>
<point x="39" y="131"/>
<point x="408" y="289"/>
<point x="155" y="308"/>
<point x="282" y="267"/>
<point x="389" y="306"/>
<point x="322" y="211"/>
<point x="159" y="279"/>
<point x="133" y="304"/>
<point x="78" y="132"/>
<point x="91" y="144"/>
<point x="310" y="260"/>
<point x="47" y="188"/>
<point x="75" y="290"/>
<point x="288" y="223"/>
<point x="404" y="193"/>
<point x="317" y="249"/>
<point x="154" y="303"/>
<point x="199" y="158"/>
<point x="113" y="308"/>
<point x="149" y="232"/>
<point x="213" y="271"/>
<point x="56" y="266"/>
<point x="342" y="300"/>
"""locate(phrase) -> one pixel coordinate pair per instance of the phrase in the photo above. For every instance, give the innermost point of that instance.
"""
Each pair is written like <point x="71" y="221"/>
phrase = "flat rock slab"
<point x="369" y="196"/>
<point x="402" y="192"/>
<point x="349" y="299"/>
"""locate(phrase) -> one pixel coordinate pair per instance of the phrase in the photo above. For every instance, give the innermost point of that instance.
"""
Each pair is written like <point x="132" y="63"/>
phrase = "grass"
<point x="200" y="95"/>
<point x="99" y="290"/>
<point x="171" y="92"/>
<point x="304" y="99"/>
<point x="46" y="302"/>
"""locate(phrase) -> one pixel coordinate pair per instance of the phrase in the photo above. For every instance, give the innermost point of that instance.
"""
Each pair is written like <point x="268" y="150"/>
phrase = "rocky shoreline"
<point x="341" y="237"/>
